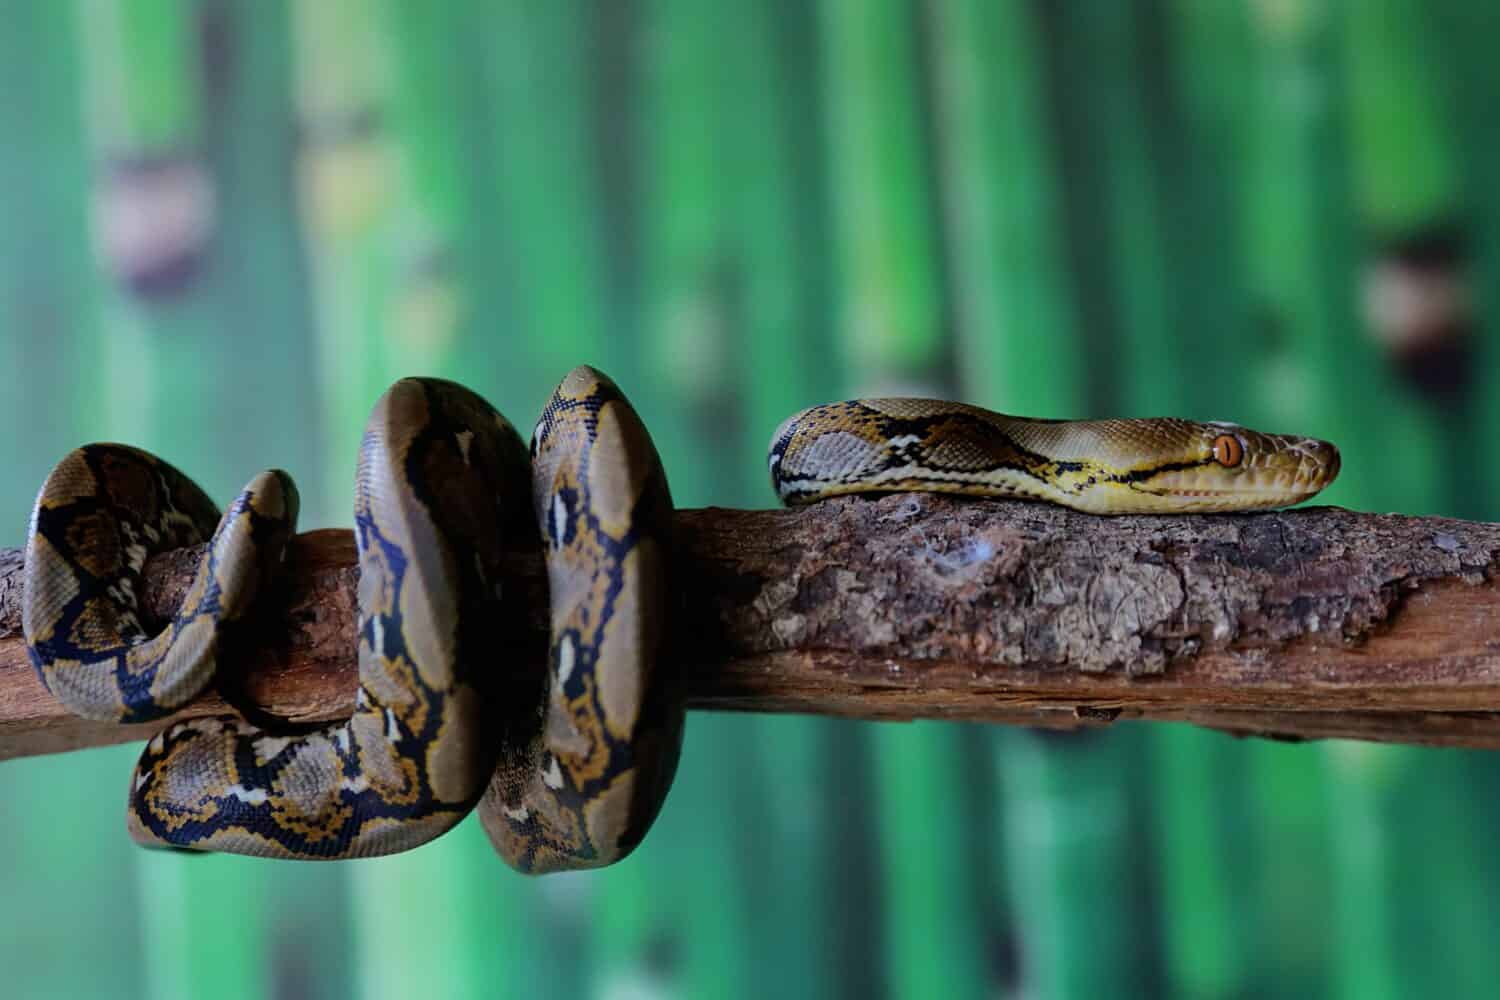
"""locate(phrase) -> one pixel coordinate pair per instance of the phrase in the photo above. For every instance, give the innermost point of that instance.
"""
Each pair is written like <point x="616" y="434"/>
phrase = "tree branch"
<point x="1310" y="623"/>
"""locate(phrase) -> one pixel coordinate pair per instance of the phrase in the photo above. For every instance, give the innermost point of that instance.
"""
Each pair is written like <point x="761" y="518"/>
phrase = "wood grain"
<point x="1311" y="623"/>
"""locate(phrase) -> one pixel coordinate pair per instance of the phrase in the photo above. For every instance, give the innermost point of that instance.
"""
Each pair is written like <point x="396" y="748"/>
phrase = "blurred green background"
<point x="227" y="225"/>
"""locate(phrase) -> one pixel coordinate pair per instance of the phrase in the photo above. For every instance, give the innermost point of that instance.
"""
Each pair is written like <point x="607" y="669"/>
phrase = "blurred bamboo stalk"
<point x="692" y="934"/>
<point x="49" y="364"/>
<point x="800" y="918"/>
<point x="180" y="174"/>
<point x="1011" y="256"/>
<point x="1194" y="103"/>
<point x="887" y="245"/>
<point x="1384" y="804"/>
<point x="1077" y="872"/>
<point x="390" y="184"/>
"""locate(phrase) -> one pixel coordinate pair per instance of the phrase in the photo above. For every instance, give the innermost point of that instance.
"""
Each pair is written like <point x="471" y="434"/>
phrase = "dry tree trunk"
<point x="1309" y="623"/>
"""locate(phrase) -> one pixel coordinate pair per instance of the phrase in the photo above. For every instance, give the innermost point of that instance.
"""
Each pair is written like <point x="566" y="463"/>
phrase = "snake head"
<point x="1224" y="466"/>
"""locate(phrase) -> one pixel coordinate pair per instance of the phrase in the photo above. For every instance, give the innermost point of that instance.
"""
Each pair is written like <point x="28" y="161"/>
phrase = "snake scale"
<point x="567" y="770"/>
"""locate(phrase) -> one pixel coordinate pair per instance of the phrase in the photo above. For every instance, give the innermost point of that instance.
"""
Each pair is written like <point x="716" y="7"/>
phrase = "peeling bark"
<point x="1309" y="623"/>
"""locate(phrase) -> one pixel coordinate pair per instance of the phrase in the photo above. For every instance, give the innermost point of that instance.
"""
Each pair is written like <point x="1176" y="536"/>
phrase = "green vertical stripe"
<point x="1097" y="313"/>
<point x="1101" y="54"/>
<point x="1067" y="823"/>
<point x="1194" y="109"/>
<point x="778" y="294"/>
<point x="934" y="938"/>
<point x="1299" y="258"/>
<point x="144" y="74"/>
<point x="1405" y="174"/>
<point x="1310" y="154"/>
<point x="1200" y="849"/>
<point x="1403" y="153"/>
<point x="1017" y="333"/>
<point x="540" y="78"/>
<point x="63" y="839"/>
<point x="891" y="292"/>
<point x="397" y="287"/>
<point x="1471" y="74"/>
<point x="687" y="401"/>
<point x="1198" y="106"/>
<point x="886" y="230"/>
<point x="209" y="373"/>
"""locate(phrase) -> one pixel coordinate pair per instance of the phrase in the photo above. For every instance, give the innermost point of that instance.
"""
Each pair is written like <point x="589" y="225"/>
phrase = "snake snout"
<point x="1328" y="456"/>
<point x="1318" y="462"/>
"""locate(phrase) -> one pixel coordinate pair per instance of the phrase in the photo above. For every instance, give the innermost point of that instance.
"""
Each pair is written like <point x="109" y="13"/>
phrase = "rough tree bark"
<point x="1309" y="623"/>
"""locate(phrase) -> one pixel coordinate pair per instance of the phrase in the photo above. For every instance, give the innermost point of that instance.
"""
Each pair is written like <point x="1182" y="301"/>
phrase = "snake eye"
<point x="1228" y="451"/>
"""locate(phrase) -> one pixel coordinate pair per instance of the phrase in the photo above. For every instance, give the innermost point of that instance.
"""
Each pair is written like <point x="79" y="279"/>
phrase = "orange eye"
<point x="1228" y="451"/>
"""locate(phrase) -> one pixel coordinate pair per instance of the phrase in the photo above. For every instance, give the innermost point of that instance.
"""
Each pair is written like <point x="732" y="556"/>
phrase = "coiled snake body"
<point x="570" y="776"/>
<point x="570" y="770"/>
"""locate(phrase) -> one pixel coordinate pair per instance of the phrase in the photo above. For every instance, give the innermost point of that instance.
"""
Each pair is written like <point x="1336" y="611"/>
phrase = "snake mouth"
<point x="1291" y="495"/>
<point x="1207" y="499"/>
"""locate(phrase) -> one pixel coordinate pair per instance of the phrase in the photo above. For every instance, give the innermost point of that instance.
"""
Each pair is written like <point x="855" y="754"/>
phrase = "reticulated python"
<point x="568" y="772"/>
<point x="1155" y="466"/>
